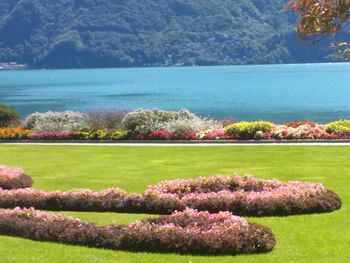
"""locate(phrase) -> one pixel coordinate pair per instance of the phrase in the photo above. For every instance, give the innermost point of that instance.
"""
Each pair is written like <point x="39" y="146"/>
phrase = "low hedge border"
<point x="248" y="196"/>
<point x="240" y="195"/>
<point x="184" y="232"/>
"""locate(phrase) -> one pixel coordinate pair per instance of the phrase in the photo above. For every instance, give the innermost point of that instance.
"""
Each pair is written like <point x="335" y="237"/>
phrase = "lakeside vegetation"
<point x="155" y="124"/>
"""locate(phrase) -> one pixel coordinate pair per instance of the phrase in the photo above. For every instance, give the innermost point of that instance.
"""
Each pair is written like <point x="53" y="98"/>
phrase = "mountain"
<point x="127" y="33"/>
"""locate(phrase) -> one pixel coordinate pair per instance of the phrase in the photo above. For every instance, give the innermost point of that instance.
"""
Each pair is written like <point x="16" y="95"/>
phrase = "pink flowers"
<point x="52" y="135"/>
<point x="248" y="196"/>
<point x="201" y="219"/>
<point x="189" y="231"/>
<point x="12" y="178"/>
<point x="216" y="134"/>
<point x="242" y="195"/>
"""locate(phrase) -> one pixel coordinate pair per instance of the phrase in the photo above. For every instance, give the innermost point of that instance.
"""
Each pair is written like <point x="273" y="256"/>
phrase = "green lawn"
<point x="309" y="238"/>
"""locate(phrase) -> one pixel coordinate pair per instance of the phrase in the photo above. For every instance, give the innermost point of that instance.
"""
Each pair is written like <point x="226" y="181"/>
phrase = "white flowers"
<point x="177" y="122"/>
<point x="57" y="121"/>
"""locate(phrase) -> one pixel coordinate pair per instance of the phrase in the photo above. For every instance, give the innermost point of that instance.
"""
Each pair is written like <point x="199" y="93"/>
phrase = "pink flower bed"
<point x="248" y="196"/>
<point x="12" y="178"/>
<point x="52" y="135"/>
<point x="196" y="223"/>
<point x="240" y="195"/>
<point x="189" y="231"/>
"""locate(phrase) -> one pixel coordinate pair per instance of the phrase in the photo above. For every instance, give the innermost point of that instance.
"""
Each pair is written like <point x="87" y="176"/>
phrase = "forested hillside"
<point x="122" y="33"/>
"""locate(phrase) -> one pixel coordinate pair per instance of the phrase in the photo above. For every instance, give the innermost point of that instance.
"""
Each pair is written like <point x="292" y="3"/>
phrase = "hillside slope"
<point x="122" y="33"/>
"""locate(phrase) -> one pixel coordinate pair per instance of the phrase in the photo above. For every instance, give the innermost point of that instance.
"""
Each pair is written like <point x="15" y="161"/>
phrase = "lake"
<point x="320" y="92"/>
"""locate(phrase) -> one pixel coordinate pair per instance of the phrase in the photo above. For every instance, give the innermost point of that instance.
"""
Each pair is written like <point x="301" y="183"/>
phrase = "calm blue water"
<point x="320" y="92"/>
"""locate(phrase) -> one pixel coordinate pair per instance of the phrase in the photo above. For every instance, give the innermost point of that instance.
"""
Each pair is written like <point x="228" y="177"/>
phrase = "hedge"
<point x="240" y="195"/>
<point x="186" y="232"/>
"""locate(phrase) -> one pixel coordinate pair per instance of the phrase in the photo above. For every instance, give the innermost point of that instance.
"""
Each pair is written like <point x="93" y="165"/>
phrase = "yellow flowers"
<point x="14" y="133"/>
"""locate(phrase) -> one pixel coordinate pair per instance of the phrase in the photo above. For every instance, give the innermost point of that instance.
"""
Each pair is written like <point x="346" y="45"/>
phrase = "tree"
<point x="323" y="17"/>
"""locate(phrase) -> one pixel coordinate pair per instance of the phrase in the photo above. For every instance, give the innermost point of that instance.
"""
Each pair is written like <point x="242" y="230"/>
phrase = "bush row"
<point x="157" y="124"/>
<point x="248" y="196"/>
<point x="240" y="195"/>
<point x="189" y="231"/>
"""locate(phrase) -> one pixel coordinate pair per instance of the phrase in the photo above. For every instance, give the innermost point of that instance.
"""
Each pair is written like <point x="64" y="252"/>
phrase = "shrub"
<point x="146" y="121"/>
<point x="180" y="126"/>
<point x="14" y="178"/>
<point x="339" y="127"/>
<point x="248" y="130"/>
<point x="220" y="233"/>
<point x="14" y="133"/>
<point x="43" y="226"/>
<point x="196" y="232"/>
<point x="52" y="135"/>
<point x="249" y="196"/>
<point x="75" y="200"/>
<point x="8" y="116"/>
<point x="241" y="195"/>
<point x="57" y="121"/>
<point x="106" y="119"/>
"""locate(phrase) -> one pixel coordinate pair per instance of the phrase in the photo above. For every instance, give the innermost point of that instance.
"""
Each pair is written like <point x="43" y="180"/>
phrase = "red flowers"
<point x="159" y="135"/>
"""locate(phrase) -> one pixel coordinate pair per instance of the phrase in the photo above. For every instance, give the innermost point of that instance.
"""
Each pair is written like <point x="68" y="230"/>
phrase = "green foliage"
<point x="248" y="130"/>
<point x="8" y="115"/>
<point x="110" y="33"/>
<point x="341" y="126"/>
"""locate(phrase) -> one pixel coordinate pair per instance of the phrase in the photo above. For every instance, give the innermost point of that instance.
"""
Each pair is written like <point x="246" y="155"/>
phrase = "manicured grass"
<point x="309" y="238"/>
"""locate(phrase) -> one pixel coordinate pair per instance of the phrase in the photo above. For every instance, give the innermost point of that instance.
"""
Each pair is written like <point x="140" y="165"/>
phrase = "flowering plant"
<point x="57" y="121"/>
<point x="189" y="231"/>
<point x="13" y="178"/>
<point x="159" y="135"/>
<point x="14" y="133"/>
<point x="215" y="134"/>
<point x="52" y="135"/>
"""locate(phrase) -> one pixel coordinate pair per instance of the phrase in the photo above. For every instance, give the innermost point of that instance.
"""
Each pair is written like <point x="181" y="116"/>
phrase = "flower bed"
<point x="200" y="212"/>
<point x="155" y="124"/>
<point x="189" y="231"/>
<point x="248" y="196"/>
<point x="240" y="195"/>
